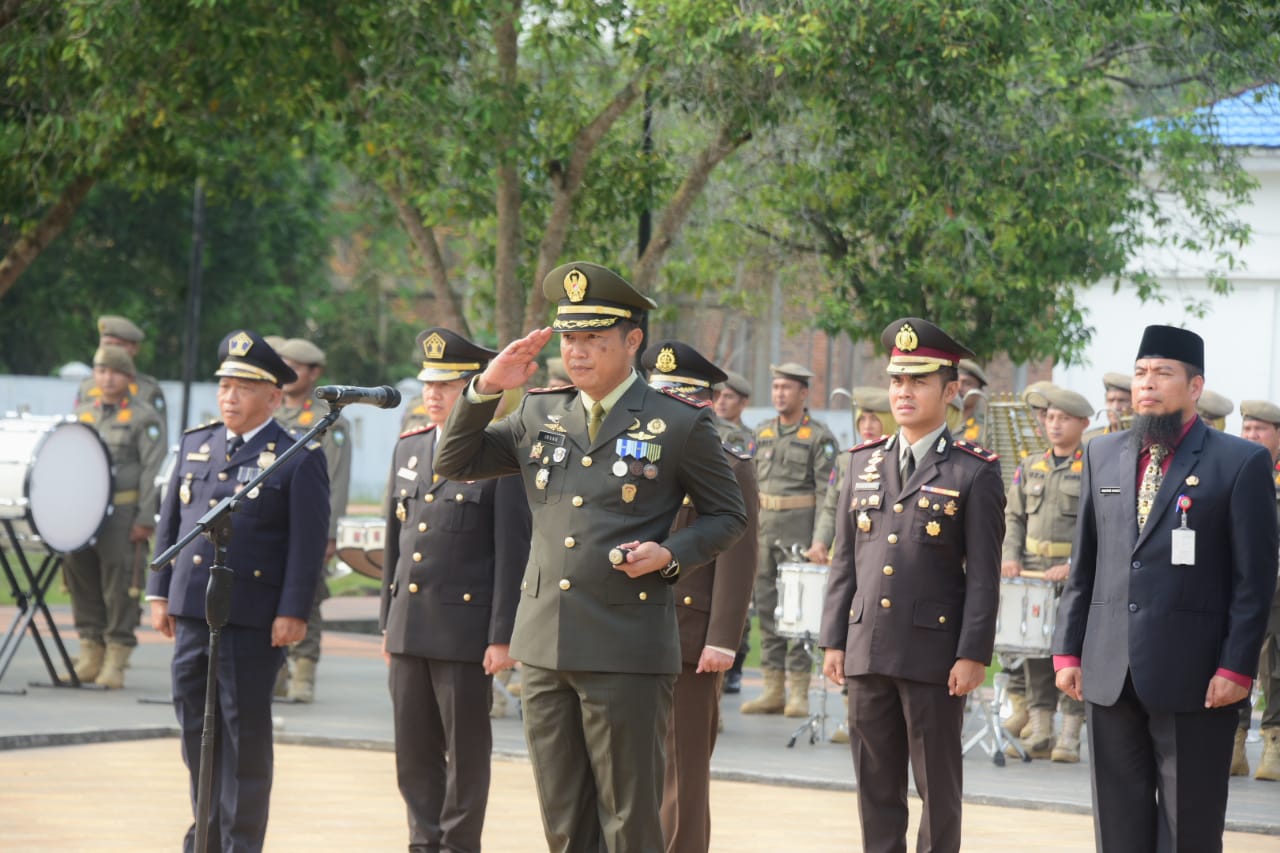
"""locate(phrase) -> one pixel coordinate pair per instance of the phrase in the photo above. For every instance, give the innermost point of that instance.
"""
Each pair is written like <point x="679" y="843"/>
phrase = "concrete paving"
<point x="756" y="771"/>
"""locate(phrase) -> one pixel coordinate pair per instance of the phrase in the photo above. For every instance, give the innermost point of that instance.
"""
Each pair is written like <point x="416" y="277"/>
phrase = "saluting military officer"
<point x="1214" y="408"/>
<point x="794" y="459"/>
<point x="729" y="398"/>
<point x="298" y="413"/>
<point x="115" y="331"/>
<point x="606" y="464"/>
<point x="105" y="578"/>
<point x="1040" y="522"/>
<point x="910" y="613"/>
<point x="455" y="553"/>
<point x="1262" y="425"/>
<point x="711" y="609"/>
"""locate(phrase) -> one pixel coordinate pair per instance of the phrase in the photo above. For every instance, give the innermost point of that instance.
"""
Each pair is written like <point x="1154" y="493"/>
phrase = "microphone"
<point x="384" y="396"/>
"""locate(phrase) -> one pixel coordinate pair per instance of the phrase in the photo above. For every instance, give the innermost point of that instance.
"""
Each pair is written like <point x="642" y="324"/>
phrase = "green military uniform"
<point x="1214" y="408"/>
<point x="600" y="649"/>
<point x="736" y="436"/>
<point x="794" y="469"/>
<point x="975" y="425"/>
<point x="100" y="577"/>
<point x="141" y="386"/>
<point x="1112" y="381"/>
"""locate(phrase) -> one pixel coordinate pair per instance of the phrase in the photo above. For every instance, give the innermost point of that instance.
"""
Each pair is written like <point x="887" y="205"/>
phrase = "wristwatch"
<point x="671" y="570"/>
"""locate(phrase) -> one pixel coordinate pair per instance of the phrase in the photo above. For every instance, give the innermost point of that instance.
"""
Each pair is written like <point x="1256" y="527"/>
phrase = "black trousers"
<point x="1159" y="778"/>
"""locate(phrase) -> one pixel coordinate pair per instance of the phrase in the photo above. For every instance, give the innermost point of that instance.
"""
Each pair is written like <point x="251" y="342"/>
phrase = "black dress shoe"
<point x="733" y="682"/>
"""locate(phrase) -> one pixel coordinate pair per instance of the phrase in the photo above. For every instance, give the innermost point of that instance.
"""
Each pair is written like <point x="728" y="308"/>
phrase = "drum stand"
<point x="991" y="736"/>
<point x="29" y="595"/>
<point x="816" y="723"/>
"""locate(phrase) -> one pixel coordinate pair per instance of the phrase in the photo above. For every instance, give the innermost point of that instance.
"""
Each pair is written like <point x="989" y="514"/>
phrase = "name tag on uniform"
<point x="197" y="457"/>
<point x="407" y="473"/>
<point x="1108" y="490"/>
<point x="1183" y="551"/>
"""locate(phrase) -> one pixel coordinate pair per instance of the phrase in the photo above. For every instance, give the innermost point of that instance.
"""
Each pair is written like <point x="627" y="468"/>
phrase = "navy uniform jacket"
<point x="914" y="582"/>
<point x="1127" y="609"/>
<point x="278" y="539"/>
<point x="577" y="612"/>
<point x="454" y="555"/>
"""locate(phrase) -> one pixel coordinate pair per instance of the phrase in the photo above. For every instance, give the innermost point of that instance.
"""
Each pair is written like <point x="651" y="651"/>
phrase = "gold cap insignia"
<point x="575" y="285"/>
<point x="433" y="346"/>
<point x="666" y="361"/>
<point x="906" y="339"/>
<point x="240" y="345"/>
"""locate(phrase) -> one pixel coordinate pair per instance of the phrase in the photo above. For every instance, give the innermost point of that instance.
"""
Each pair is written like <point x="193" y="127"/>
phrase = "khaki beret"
<point x="1033" y="394"/>
<point x="274" y="341"/>
<point x="1213" y="405"/>
<point x="115" y="358"/>
<point x="1260" y="410"/>
<point x="971" y="367"/>
<point x="792" y="370"/>
<point x="736" y="383"/>
<point x="120" y="327"/>
<point x="299" y="350"/>
<point x="1070" y="402"/>
<point x="1118" y="381"/>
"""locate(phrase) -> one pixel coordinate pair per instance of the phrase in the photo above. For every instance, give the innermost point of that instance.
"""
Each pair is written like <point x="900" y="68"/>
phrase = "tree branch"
<point x="28" y="247"/>
<point x="449" y="307"/>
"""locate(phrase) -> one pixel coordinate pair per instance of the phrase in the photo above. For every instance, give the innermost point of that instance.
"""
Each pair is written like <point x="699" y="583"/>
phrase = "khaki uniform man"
<point x="1214" y="408"/>
<point x="105" y="578"/>
<point x="973" y="384"/>
<point x="298" y="413"/>
<point x="1033" y="396"/>
<point x="606" y="465"/>
<point x="1040" y="522"/>
<point x="1119" y="404"/>
<point x="120" y="332"/>
<point x="1262" y="425"/>
<point x="731" y="397"/>
<point x="794" y="458"/>
<point x="711" y="608"/>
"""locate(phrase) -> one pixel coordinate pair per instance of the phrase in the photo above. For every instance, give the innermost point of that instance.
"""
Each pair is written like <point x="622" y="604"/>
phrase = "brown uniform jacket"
<point x="915" y="577"/>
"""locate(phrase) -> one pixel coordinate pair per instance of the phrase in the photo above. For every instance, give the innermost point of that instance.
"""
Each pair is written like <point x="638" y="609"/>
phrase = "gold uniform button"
<point x="459" y="497"/>
<point x="466" y="596"/>
<point x="569" y="541"/>
<point x="564" y="583"/>
<point x="687" y="501"/>
<point x="222" y="475"/>
<point x="942" y="620"/>
<point x="257" y="573"/>
<point x="197" y="559"/>
<point x="850" y="611"/>
<point x="213" y="502"/>
<point x="688" y="599"/>
<point x="546" y="460"/>
<point x="888" y="570"/>
<point x="429" y="498"/>
<point x="413" y="587"/>
<point x="893" y="538"/>
<point x="886" y="603"/>
<point x="417" y="556"/>
<point x="422" y="527"/>
<point x="577" y="500"/>
<point x="644" y="596"/>
<point x="586" y="462"/>
<point x="897" y="507"/>
<point x="524" y="584"/>
<point x="404" y="492"/>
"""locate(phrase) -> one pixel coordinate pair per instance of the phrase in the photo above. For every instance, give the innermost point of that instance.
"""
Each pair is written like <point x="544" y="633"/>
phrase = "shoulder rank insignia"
<point x="417" y="430"/>
<point x="684" y="398"/>
<point x="553" y="389"/>
<point x="314" y="445"/>
<point x="735" y="450"/>
<point x="872" y="443"/>
<point x="198" y="427"/>
<point x="977" y="450"/>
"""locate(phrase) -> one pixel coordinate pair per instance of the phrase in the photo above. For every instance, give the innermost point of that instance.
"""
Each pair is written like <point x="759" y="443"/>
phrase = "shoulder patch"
<point x="685" y="398"/>
<point x="417" y="430"/>
<point x="735" y="450"/>
<point x="199" y="427"/>
<point x="872" y="443"/>
<point x="553" y="389"/>
<point x="977" y="450"/>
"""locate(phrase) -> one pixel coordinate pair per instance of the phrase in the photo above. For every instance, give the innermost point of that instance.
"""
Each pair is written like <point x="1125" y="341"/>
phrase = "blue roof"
<point x="1250" y="119"/>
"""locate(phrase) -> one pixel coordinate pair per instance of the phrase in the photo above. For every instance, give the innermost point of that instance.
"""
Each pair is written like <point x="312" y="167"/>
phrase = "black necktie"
<point x="233" y="445"/>
<point x="910" y="467"/>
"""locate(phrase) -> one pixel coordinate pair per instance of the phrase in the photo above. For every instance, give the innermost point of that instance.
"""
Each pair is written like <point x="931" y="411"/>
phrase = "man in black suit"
<point x="1174" y="566"/>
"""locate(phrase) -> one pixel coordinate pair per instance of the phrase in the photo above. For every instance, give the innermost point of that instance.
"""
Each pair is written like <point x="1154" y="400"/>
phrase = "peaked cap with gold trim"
<point x="918" y="346"/>
<point x="676" y="365"/>
<point x="589" y="297"/>
<point x="244" y="354"/>
<point x="446" y="355"/>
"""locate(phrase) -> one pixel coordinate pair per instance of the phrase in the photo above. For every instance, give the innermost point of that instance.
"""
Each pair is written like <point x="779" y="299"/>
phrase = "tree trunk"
<point x="508" y="295"/>
<point x="565" y="190"/>
<point x="28" y="247"/>
<point x="448" y="306"/>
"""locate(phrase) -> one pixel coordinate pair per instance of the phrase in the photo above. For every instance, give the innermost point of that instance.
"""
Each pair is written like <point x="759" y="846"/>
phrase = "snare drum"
<point x="55" y="480"/>
<point x="1028" y="612"/>
<point x="802" y="587"/>
<point x="375" y="541"/>
<point x="353" y="539"/>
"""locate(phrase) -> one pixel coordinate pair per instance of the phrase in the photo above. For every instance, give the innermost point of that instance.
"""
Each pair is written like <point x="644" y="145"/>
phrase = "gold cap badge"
<point x="666" y="361"/>
<point x="433" y="346"/>
<point x="575" y="285"/>
<point x="906" y="339"/>
<point x="240" y="345"/>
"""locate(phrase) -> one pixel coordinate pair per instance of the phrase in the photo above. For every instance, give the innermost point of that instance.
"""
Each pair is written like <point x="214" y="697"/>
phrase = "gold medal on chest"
<point x="184" y="492"/>
<point x="401" y="512"/>
<point x="933" y="528"/>
<point x="628" y="492"/>
<point x="864" y="522"/>
<point x="657" y="426"/>
<point x="542" y="478"/>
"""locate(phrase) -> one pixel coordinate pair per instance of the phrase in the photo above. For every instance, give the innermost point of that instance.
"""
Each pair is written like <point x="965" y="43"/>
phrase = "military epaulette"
<point x="198" y="427"/>
<point x="976" y="450"/>
<point x="872" y="443"/>
<point x="314" y="445"/>
<point x="685" y="398"/>
<point x="418" y="430"/>
<point x="735" y="450"/>
<point x="553" y="389"/>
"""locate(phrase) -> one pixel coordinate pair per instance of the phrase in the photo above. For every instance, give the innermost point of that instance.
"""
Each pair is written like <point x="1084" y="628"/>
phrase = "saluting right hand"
<point x="512" y="367"/>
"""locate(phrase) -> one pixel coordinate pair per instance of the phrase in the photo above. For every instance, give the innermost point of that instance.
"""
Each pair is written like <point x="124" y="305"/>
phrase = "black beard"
<point x="1155" y="429"/>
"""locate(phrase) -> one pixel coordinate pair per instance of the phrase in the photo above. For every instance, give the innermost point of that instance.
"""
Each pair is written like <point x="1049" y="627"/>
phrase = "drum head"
<point x="69" y="486"/>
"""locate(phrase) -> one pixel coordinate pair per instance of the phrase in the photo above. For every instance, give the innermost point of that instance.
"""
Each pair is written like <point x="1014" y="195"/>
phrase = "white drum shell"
<point x="354" y="537"/>
<point x="1027" y="615"/>
<point x="802" y="588"/>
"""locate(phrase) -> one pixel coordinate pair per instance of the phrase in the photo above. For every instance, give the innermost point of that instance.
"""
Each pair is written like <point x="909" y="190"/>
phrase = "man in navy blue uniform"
<point x="276" y="548"/>
<point x="1159" y="627"/>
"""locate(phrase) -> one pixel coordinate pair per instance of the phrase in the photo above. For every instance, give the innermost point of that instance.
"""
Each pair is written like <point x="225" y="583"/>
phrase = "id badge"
<point x="1184" y="546"/>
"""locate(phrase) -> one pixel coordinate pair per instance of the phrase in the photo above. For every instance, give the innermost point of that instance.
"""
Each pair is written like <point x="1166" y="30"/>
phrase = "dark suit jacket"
<point x="278" y="538"/>
<point x="577" y="612"/>
<point x="711" y="603"/>
<point x="454" y="563"/>
<point x="920" y="586"/>
<point x="1126" y="608"/>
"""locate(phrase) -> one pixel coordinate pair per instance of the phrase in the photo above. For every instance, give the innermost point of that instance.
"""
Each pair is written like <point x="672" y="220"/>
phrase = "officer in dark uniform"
<point x="276" y="549"/>
<point x="455" y="553"/>
<point x="115" y="331"/>
<point x="711" y="608"/>
<point x="912" y="594"/>
<point x="606" y="464"/>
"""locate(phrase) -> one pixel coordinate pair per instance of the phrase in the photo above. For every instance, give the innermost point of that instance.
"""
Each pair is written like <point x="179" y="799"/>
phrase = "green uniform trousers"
<point x="98" y="578"/>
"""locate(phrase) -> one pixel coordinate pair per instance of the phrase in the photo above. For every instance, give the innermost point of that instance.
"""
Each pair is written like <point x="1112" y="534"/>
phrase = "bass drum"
<point x="55" y="480"/>
<point x="354" y="534"/>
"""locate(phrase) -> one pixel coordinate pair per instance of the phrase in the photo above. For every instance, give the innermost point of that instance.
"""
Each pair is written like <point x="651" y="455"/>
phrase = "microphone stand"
<point x="216" y="524"/>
